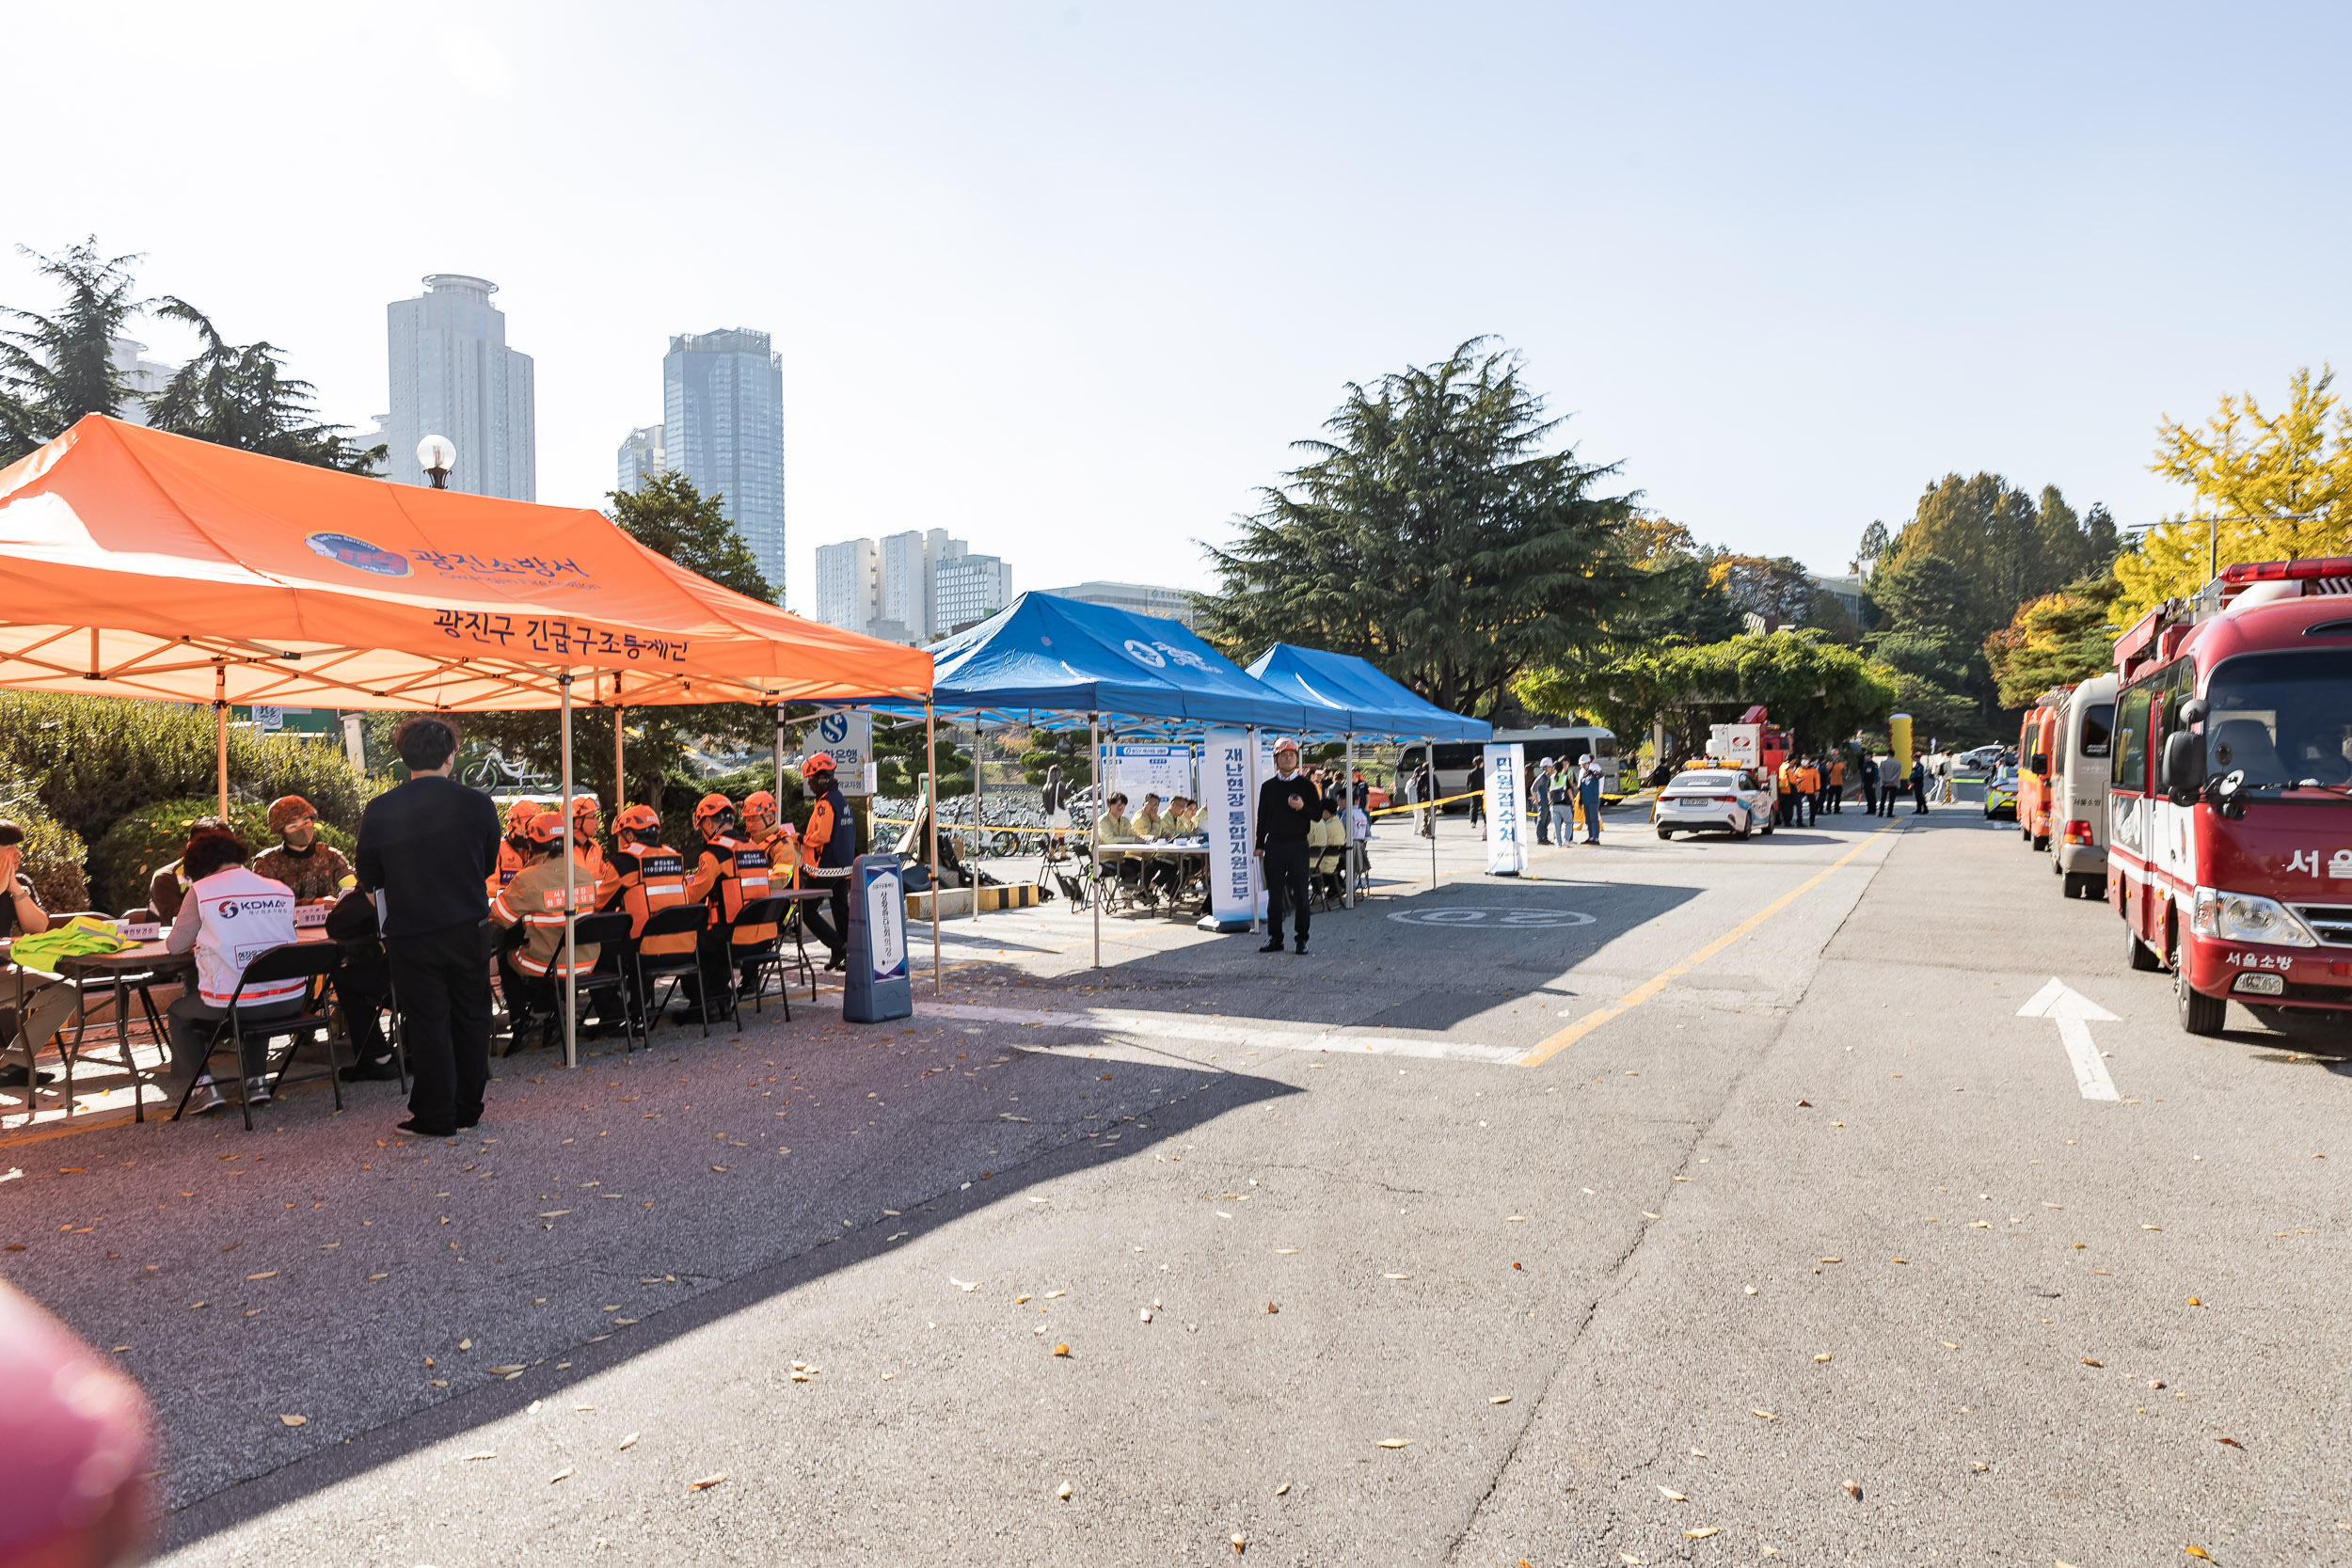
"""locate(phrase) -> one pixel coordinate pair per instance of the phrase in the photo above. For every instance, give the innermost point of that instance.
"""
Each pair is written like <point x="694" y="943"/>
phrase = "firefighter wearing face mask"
<point x="587" y="833"/>
<point x="649" y="876"/>
<point x="733" y="873"/>
<point x="828" y="844"/>
<point x="776" y="839"/>
<point x="515" y="848"/>
<point x="316" y="871"/>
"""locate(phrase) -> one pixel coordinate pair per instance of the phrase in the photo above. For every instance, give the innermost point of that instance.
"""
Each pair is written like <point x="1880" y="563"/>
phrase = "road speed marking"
<point x="1490" y="918"/>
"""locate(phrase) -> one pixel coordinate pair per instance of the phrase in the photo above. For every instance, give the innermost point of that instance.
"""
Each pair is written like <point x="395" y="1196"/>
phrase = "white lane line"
<point x="2075" y="1013"/>
<point x="1189" y="1027"/>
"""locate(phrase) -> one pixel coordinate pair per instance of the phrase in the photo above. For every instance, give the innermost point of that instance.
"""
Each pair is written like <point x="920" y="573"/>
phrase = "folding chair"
<point x="678" y="920"/>
<point x="314" y="962"/>
<point x="757" y="958"/>
<point x="604" y="989"/>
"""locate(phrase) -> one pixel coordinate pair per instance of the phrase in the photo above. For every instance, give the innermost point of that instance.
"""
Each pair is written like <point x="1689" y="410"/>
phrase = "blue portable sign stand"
<point x="877" y="986"/>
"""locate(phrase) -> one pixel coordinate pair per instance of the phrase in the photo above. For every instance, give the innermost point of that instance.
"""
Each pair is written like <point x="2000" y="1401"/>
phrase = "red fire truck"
<point x="2038" y="761"/>
<point x="2230" y="793"/>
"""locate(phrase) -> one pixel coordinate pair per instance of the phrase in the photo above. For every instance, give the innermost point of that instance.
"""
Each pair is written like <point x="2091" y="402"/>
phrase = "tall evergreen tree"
<point x="239" y="395"/>
<point x="55" y="369"/>
<point x="670" y="516"/>
<point x="1435" y="531"/>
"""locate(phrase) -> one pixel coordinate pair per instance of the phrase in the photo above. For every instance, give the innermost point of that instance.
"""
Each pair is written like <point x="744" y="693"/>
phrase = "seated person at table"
<point x="1183" y="821"/>
<point x="317" y="872"/>
<point x="514" y="844"/>
<point x="224" y="943"/>
<point x="1326" y="841"/>
<point x="1116" y="827"/>
<point x="363" y="987"/>
<point x="587" y="834"/>
<point x="1151" y="822"/>
<point x="47" y="1002"/>
<point x="534" y="899"/>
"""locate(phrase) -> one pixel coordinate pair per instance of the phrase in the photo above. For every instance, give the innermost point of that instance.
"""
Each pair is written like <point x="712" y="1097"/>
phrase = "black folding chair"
<point x="607" y="989"/>
<point x="315" y="964"/>
<point x="676" y="921"/>
<point x="756" y="959"/>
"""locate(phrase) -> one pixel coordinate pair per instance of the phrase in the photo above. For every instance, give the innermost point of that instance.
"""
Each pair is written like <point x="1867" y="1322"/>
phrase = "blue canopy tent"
<point x="1049" y="663"/>
<point x="1353" y="696"/>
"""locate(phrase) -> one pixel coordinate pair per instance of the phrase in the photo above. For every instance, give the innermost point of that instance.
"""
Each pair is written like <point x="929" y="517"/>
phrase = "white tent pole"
<point x="220" y="743"/>
<point x="1433" y="792"/>
<point x="620" y="717"/>
<point x="1094" y="828"/>
<point x="930" y="766"/>
<point x="979" y="814"/>
<point x="779" y="757"/>
<point x="1348" y="822"/>
<point x="571" y="935"/>
<point x="1250" y="824"/>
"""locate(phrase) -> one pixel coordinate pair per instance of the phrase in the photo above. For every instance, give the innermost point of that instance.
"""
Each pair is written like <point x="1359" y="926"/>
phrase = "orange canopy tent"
<point x="140" y="564"/>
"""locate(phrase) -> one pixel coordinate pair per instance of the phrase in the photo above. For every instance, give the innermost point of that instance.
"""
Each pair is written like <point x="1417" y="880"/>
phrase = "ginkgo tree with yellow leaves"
<point x="2268" y="486"/>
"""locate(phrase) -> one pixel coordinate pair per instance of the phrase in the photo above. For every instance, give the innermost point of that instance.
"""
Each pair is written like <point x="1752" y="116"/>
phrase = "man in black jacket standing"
<point x="429" y="846"/>
<point x="1286" y="807"/>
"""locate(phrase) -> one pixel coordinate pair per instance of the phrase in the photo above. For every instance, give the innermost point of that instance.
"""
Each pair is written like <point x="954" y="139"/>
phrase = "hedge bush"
<point x="94" y="760"/>
<point x="144" y="841"/>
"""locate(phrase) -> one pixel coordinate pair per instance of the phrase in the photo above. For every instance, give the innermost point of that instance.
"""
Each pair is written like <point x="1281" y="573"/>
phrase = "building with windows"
<point x="722" y="428"/>
<point x="453" y="375"/>
<point x="908" y="561"/>
<point x="849" y="584"/>
<point x="966" y="590"/>
<point x="1173" y="604"/>
<point x="641" y="457"/>
<point x="142" y="378"/>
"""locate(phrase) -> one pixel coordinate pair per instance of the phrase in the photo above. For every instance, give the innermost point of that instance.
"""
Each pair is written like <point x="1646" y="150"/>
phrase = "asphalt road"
<point x="1624" y="1212"/>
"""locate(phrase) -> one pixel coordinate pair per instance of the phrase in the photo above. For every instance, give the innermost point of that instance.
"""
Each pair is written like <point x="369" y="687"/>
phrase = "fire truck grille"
<point x="2330" y="923"/>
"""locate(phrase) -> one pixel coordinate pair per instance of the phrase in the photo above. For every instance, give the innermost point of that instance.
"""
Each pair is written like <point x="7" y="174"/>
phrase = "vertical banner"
<point x="1225" y="806"/>
<point x="1506" y="819"/>
<point x="877" y="985"/>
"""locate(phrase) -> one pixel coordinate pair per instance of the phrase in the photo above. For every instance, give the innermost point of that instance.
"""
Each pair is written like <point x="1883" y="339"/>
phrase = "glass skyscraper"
<point x="722" y="427"/>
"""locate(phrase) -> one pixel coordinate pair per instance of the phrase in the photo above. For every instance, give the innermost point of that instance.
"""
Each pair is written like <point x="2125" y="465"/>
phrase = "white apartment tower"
<point x="849" y="584"/>
<point x="454" y="375"/>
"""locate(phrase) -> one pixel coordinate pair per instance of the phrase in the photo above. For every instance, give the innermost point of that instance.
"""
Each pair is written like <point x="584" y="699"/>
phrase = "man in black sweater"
<point x="429" y="846"/>
<point x="1287" y="803"/>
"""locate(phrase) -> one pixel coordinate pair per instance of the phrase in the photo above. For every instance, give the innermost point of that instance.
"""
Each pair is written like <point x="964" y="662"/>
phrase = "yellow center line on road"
<point x="1666" y="976"/>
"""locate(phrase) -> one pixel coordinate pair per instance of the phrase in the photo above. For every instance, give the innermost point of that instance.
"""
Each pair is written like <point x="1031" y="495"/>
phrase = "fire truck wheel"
<point x="2140" y="956"/>
<point x="2199" y="1014"/>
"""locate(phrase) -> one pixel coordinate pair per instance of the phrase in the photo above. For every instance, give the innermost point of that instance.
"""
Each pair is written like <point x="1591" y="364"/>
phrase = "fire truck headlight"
<point x="2247" y="917"/>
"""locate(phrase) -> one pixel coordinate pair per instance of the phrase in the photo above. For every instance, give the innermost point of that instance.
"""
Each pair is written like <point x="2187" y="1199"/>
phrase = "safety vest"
<point x="535" y="898"/>
<point x="782" y="848"/>
<point x="240" y="916"/>
<point x="652" y="876"/>
<point x="831" y="842"/>
<point x="740" y="877"/>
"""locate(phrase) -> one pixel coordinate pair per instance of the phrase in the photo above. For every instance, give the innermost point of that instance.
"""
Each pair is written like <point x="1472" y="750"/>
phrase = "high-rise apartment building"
<point x="849" y="584"/>
<point x="454" y="375"/>
<point x="1172" y="604"/>
<point x="968" y="588"/>
<point x="142" y="378"/>
<point x="908" y="561"/>
<point x="642" y="457"/>
<point x="722" y="428"/>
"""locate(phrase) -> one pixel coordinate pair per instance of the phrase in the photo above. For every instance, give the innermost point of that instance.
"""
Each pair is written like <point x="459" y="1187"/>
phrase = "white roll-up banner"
<point x="1506" y="819"/>
<point x="1225" y="785"/>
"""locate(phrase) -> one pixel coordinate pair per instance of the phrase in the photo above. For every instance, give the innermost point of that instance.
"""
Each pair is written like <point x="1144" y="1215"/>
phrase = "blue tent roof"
<point x="1347" y="693"/>
<point x="1042" y="658"/>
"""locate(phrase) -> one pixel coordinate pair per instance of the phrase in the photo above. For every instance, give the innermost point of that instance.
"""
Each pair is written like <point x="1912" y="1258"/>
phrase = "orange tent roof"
<point x="139" y="564"/>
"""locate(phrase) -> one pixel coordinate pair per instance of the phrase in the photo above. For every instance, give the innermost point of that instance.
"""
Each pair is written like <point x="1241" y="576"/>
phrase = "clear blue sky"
<point x="1067" y="278"/>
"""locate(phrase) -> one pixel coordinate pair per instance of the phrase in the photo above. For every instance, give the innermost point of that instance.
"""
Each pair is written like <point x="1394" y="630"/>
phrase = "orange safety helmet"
<point x="521" y="814"/>
<point x="586" y="805"/>
<point x="640" y="823"/>
<point x="712" y="806"/>
<point x="821" y="763"/>
<point x="545" y="828"/>
<point x="759" y="801"/>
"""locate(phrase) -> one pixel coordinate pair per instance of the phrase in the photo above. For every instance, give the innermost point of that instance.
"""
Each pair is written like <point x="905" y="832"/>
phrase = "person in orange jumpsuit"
<point x="514" y="849"/>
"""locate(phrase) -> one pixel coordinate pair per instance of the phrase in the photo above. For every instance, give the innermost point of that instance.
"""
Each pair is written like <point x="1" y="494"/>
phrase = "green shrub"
<point x="142" y="842"/>
<point x="93" y="760"/>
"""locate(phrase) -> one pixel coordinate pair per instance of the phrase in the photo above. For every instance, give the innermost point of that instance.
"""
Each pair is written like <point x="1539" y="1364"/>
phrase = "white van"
<point x="2078" y="796"/>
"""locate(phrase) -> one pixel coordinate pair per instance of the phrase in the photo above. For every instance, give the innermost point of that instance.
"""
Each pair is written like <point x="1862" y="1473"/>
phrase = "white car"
<point x="1714" y="799"/>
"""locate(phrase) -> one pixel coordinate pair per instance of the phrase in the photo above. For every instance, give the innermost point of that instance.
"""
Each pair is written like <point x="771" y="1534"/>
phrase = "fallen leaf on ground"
<point x="294" y="1421"/>
<point x="2194" y="1301"/>
<point x="1396" y="1276"/>
<point x="1394" y="1442"/>
<point x="465" y="1344"/>
<point x="266" y="1273"/>
<point x="1240" y="1541"/>
<point x="2232" y="1441"/>
<point x="1497" y="1399"/>
<point x="961" y="1285"/>
<point x="1853" y="1488"/>
<point x="1702" y="1532"/>
<point x="2088" y="1362"/>
<point x="626" y="1441"/>
<point x="511" y="1367"/>
<point x="2197" y="1551"/>
<point x="1823" y="1356"/>
<point x="1061" y="1350"/>
<point x="1764" y="1413"/>
<point x="707" y="1482"/>
<point x="559" y="1474"/>
<point x="1062" y="1491"/>
<point x="1671" y="1496"/>
<point x="1282" y="1489"/>
<point x="486" y="1453"/>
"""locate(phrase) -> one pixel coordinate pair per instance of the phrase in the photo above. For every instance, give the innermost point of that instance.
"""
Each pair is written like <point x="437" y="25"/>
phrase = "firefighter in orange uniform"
<point x="514" y="849"/>
<point x="828" y="844"/>
<point x="535" y="900"/>
<point x="734" y="873"/>
<point x="587" y="828"/>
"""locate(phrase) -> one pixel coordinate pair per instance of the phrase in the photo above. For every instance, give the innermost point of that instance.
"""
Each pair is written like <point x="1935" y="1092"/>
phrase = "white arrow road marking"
<point x="2075" y="1013"/>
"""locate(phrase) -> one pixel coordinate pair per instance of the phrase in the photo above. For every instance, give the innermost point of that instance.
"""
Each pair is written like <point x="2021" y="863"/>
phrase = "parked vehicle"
<point x="1983" y="756"/>
<point x="2080" y="795"/>
<point x="2036" y="745"/>
<point x="1566" y="745"/>
<point x="2000" y="794"/>
<point x="1715" y="799"/>
<point x="2230" y="794"/>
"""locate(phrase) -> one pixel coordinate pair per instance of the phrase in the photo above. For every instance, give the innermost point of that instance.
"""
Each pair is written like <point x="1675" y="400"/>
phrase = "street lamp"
<point x="437" y="455"/>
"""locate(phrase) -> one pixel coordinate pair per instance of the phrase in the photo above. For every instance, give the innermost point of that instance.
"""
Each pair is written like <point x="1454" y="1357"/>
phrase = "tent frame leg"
<point x="571" y="918"/>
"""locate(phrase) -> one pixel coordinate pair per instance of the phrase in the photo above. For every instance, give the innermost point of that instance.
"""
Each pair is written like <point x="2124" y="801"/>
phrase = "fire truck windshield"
<point x="2282" y="719"/>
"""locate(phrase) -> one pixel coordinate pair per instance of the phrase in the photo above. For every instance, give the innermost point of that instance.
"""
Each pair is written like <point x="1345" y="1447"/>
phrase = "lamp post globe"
<point x="437" y="455"/>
